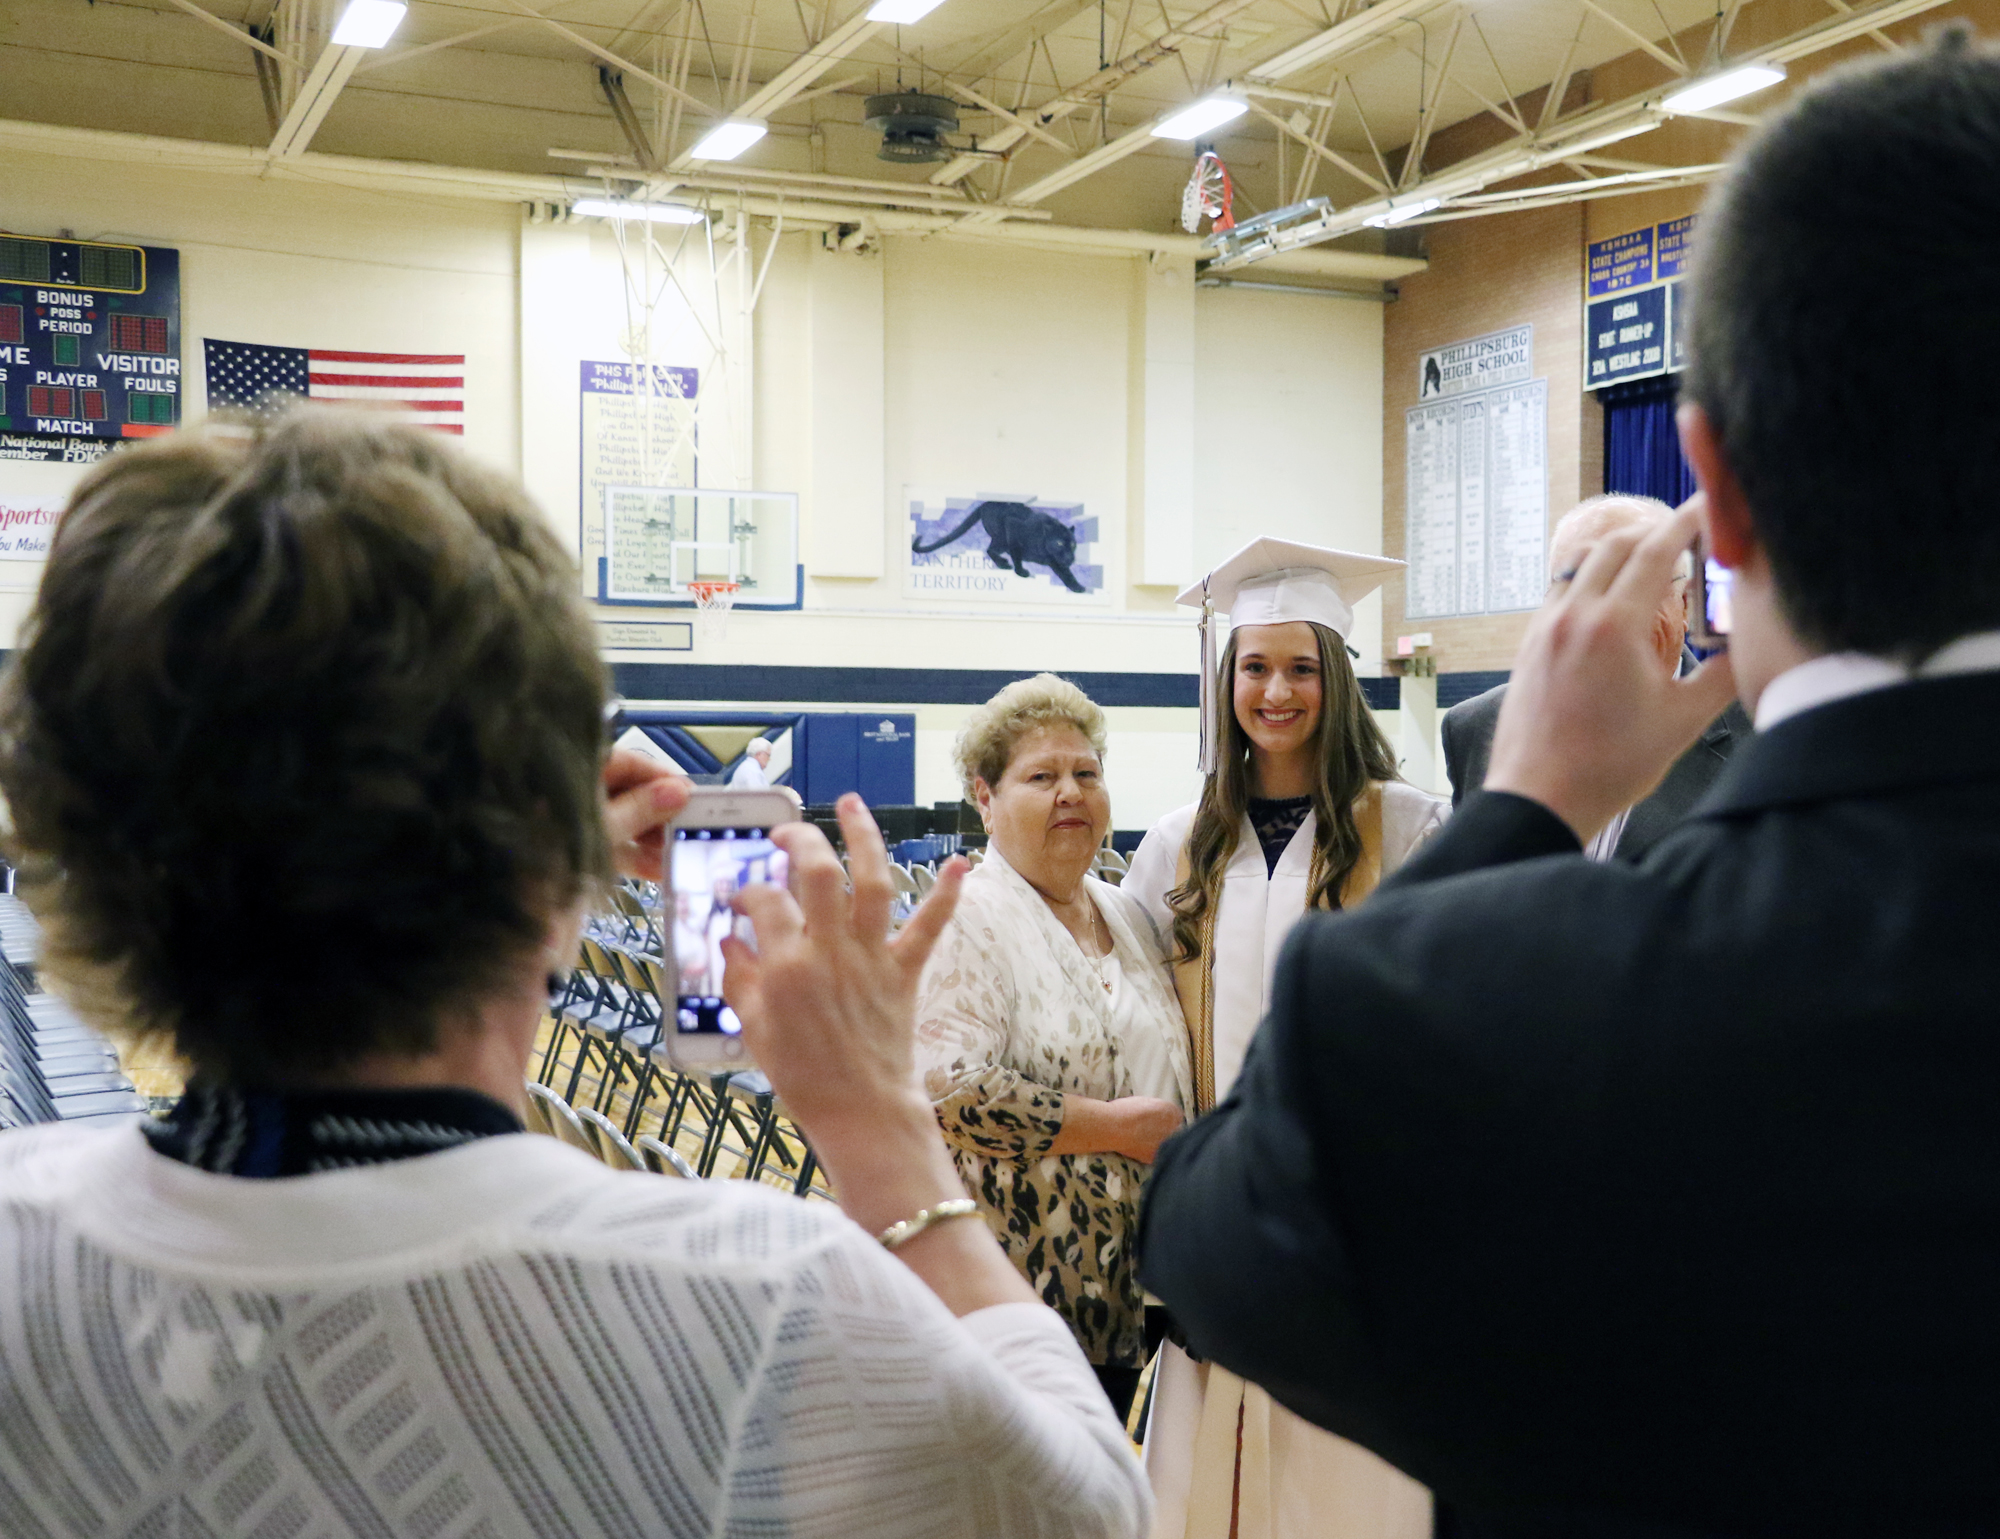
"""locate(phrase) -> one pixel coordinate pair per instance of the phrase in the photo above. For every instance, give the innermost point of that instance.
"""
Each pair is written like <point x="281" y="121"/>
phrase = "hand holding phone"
<point x="1709" y="617"/>
<point x="720" y="844"/>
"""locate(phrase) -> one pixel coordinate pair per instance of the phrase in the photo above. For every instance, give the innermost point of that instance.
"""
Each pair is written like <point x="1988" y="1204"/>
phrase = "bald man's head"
<point x="1588" y="522"/>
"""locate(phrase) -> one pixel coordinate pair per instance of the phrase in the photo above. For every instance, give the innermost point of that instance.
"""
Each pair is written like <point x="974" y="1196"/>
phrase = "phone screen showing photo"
<point x="710" y="866"/>
<point x="1715" y="597"/>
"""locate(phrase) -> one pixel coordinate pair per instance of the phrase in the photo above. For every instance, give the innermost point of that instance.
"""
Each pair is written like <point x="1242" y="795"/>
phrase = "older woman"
<point x="304" y="750"/>
<point x="1048" y="1030"/>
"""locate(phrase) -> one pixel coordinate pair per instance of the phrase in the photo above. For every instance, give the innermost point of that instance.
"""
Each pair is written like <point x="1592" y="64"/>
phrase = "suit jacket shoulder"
<point x="1468" y="740"/>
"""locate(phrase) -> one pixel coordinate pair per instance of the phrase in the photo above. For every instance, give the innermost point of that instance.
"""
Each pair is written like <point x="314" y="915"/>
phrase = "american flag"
<point x="423" y="389"/>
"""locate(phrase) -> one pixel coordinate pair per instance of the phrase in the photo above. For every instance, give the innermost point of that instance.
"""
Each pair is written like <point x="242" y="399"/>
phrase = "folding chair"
<point x="536" y="1119"/>
<point x="610" y="1143"/>
<point x="645" y="1020"/>
<point x="663" y="1159"/>
<point x="601" y="1019"/>
<point x="564" y="1123"/>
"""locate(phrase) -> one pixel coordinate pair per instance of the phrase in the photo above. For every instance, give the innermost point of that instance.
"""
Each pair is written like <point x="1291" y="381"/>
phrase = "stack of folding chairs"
<point x="53" y="1068"/>
<point x="607" y="1073"/>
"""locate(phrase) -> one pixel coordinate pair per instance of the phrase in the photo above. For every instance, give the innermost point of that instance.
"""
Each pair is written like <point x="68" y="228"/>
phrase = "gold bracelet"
<point x="900" y="1234"/>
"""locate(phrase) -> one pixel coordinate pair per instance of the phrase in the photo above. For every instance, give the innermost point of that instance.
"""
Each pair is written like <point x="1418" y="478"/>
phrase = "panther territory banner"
<point x="1001" y="548"/>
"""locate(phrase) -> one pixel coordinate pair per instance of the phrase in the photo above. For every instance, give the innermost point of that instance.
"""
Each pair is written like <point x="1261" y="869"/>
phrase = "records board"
<point x="1477" y="518"/>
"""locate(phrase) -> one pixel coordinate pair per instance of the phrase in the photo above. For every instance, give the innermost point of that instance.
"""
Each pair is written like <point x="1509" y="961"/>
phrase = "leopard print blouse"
<point x="1011" y="1018"/>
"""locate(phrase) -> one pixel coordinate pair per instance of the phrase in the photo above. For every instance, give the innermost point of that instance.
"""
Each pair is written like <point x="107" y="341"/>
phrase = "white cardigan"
<point x="509" y="1339"/>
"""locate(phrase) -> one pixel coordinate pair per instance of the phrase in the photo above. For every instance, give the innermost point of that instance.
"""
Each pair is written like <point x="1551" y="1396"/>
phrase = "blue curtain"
<point x="1642" y="452"/>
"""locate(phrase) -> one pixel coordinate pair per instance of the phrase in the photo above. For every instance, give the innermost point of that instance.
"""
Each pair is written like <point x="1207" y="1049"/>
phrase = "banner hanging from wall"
<point x="1477" y="486"/>
<point x="37" y="476"/>
<point x="90" y="338"/>
<point x="1632" y="320"/>
<point x="1001" y="548"/>
<point x="635" y="427"/>
<point x="1498" y="358"/>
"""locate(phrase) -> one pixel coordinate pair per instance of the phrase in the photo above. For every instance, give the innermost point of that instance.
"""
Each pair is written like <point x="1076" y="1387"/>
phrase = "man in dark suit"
<point x="1664" y="1199"/>
<point x="1468" y="726"/>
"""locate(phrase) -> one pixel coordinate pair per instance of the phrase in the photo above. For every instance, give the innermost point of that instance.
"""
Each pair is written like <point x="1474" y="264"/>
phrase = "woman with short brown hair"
<point x="305" y="751"/>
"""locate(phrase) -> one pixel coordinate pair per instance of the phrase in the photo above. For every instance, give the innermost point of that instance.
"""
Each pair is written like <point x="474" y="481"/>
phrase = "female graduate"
<point x="1302" y="808"/>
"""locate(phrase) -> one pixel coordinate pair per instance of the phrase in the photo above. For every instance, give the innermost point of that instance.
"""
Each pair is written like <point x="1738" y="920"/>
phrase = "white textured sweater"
<point x="508" y="1339"/>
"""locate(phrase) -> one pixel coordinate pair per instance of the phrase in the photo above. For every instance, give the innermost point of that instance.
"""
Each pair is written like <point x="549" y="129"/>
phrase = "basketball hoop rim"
<point x="713" y="595"/>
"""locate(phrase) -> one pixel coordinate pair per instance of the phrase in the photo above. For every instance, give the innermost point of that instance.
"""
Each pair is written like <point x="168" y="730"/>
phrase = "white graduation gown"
<point x="1300" y="1482"/>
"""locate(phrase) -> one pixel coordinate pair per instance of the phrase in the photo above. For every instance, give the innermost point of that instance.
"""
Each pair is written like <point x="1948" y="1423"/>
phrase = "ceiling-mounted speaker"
<point x="913" y="125"/>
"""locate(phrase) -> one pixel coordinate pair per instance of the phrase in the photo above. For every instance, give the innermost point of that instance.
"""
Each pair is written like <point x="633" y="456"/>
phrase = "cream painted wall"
<point x="1288" y="410"/>
<point x="293" y="265"/>
<point x="999" y="369"/>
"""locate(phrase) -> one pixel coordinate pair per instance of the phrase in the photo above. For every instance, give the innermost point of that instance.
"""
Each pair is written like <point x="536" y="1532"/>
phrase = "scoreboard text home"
<point x="90" y="338"/>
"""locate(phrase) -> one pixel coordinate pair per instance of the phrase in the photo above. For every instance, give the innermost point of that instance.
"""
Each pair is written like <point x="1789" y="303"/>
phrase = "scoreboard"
<point x="90" y="338"/>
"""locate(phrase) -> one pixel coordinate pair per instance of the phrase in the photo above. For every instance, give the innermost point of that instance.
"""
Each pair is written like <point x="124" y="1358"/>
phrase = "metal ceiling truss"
<point x="1321" y="126"/>
<point x="1460" y="191"/>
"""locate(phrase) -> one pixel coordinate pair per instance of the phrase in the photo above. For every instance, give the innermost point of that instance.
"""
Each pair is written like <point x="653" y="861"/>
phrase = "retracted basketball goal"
<point x="1208" y="195"/>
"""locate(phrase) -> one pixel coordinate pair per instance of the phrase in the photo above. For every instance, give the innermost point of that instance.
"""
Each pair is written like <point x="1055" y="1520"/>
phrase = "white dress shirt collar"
<point x="1835" y="676"/>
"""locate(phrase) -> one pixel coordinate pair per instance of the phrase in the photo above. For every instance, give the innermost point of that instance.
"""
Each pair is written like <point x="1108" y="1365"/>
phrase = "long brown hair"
<point x="1351" y="751"/>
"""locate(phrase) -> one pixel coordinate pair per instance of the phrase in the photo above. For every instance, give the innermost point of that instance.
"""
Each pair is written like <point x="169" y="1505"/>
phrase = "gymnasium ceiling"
<point x="1370" y="106"/>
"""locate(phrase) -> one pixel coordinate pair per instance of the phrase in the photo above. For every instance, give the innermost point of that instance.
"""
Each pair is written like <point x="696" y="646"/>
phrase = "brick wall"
<point x="1484" y="275"/>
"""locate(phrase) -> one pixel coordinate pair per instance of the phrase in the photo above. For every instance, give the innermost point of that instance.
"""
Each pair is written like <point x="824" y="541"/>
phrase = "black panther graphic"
<point x="1015" y="535"/>
<point x="1433" y="378"/>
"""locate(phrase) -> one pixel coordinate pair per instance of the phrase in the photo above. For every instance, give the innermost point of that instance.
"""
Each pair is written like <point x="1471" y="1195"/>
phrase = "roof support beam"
<point x="246" y="38"/>
<point x="314" y="99"/>
<point x="1315" y="147"/>
<point x="808" y="66"/>
<point x="1137" y="139"/>
<point x="1085" y="92"/>
<point x="1341" y="38"/>
<point x="624" y="66"/>
<point x="1413" y="157"/>
<point x="1638" y="37"/>
<point x="1585" y="132"/>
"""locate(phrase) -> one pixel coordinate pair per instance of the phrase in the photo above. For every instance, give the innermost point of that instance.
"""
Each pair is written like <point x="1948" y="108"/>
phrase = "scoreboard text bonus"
<point x="90" y="338"/>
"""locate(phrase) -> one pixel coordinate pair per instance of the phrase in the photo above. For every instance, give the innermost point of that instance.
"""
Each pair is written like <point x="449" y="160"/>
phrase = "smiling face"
<point x="1279" y="690"/>
<point x="1050" y="811"/>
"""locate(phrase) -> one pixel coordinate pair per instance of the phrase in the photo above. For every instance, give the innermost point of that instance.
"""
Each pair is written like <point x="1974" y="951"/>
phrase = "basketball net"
<point x="713" y="601"/>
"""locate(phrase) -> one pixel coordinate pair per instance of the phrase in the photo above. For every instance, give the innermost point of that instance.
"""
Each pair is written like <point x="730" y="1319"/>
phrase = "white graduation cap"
<point x="1274" y="582"/>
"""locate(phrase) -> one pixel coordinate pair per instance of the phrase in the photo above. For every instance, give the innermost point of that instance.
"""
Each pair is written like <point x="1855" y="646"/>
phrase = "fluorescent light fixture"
<point x="727" y="140"/>
<point x="1726" y="87"/>
<point x="1396" y="215"/>
<point x="652" y="213"/>
<point x="1209" y="112"/>
<point x="904" y="11"/>
<point x="368" y="23"/>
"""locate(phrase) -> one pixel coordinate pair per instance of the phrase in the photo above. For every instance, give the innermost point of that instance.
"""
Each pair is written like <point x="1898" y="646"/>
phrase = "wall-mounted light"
<point x="726" y="140"/>
<point x="1400" y="212"/>
<point x="368" y="23"/>
<point x="652" y="213"/>
<point x="903" y="11"/>
<point x="1726" y="87"/>
<point x="1193" y="121"/>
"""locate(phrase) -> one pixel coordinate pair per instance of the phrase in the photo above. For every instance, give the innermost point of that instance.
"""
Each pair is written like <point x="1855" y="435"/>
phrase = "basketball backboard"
<point x="659" y="539"/>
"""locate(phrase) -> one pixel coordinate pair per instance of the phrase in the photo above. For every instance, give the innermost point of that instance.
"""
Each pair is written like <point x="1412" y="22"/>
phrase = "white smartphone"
<point x="720" y="844"/>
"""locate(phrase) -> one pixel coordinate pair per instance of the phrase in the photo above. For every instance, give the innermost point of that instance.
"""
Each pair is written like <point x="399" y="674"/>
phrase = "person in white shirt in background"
<point x="752" y="773"/>
<point x="334" y="841"/>
<point x="1302" y="809"/>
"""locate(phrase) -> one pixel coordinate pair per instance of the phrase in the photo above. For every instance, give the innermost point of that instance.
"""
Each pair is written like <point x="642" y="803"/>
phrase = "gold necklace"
<point x="1096" y="919"/>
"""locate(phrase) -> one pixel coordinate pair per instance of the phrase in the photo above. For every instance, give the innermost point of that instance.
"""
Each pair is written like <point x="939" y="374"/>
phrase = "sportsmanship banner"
<point x="1632" y="305"/>
<point x="90" y="338"/>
